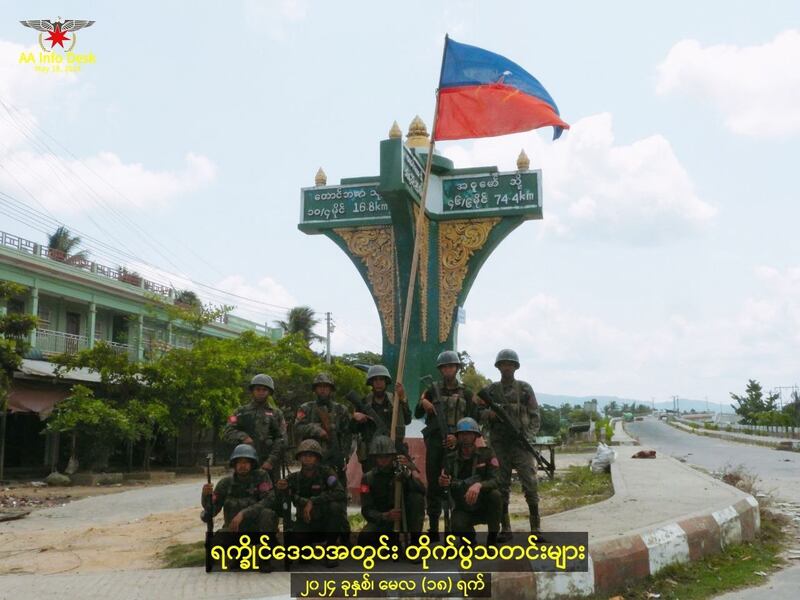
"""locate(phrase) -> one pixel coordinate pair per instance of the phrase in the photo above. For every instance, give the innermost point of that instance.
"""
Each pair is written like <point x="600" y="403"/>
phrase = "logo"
<point x="57" y="40"/>
<point x="57" y="32"/>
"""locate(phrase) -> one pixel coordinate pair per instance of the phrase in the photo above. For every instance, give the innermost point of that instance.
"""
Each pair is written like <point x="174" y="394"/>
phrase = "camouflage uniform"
<point x="369" y="429"/>
<point x="308" y="425"/>
<point x="252" y="494"/>
<point x="481" y="467"/>
<point x="519" y="401"/>
<point x="266" y="426"/>
<point x="377" y="497"/>
<point x="327" y="495"/>
<point x="457" y="403"/>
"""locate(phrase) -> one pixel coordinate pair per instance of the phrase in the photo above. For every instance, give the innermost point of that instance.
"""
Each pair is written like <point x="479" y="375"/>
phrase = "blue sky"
<point x="667" y="262"/>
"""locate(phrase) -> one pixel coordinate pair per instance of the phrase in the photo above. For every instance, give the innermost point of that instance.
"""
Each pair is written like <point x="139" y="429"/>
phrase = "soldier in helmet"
<point x="260" y="424"/>
<point x="473" y="483"/>
<point x="519" y="402"/>
<point x="318" y="496"/>
<point x="246" y="497"/>
<point x="380" y="403"/>
<point x="377" y="494"/>
<point x="455" y="401"/>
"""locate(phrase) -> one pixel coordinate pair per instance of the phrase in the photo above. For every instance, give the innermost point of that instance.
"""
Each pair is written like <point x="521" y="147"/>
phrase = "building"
<point x="78" y="303"/>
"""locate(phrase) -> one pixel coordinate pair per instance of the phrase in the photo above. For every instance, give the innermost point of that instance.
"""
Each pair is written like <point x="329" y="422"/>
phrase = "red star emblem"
<point x="57" y="37"/>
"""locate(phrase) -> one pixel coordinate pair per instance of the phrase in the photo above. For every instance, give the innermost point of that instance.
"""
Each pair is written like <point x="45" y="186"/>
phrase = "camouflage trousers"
<point x="511" y="456"/>
<point x="256" y="519"/>
<point x="487" y="509"/>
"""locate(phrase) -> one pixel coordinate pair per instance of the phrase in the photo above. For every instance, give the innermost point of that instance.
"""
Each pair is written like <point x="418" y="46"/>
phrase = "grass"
<point x="742" y="565"/>
<point x="576" y="487"/>
<point x="178" y="556"/>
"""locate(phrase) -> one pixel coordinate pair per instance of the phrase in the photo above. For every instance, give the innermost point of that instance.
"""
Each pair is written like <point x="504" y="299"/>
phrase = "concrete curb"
<point x="616" y="562"/>
<point x="768" y="442"/>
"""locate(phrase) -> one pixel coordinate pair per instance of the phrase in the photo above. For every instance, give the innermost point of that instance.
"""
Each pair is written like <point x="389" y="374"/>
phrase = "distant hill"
<point x="685" y="404"/>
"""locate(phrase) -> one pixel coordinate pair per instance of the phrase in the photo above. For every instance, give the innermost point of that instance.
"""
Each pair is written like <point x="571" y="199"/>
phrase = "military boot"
<point x="505" y="534"/>
<point x="433" y="529"/>
<point x="536" y="523"/>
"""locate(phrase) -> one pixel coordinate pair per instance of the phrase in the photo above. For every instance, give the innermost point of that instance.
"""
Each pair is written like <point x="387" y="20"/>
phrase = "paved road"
<point x="778" y="472"/>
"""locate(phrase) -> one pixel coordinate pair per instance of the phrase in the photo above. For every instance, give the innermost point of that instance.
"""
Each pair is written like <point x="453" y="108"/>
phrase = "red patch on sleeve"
<point x="233" y="419"/>
<point x="494" y="462"/>
<point x="300" y="415"/>
<point x="364" y="488"/>
<point x="264" y="486"/>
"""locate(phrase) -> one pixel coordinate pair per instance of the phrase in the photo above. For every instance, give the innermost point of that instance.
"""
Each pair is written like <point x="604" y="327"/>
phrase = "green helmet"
<point x="448" y="357"/>
<point x="468" y="424"/>
<point x="378" y="371"/>
<point x="309" y="446"/>
<point x="244" y="451"/>
<point x="507" y="355"/>
<point x="382" y="444"/>
<point x="321" y="378"/>
<point x="262" y="379"/>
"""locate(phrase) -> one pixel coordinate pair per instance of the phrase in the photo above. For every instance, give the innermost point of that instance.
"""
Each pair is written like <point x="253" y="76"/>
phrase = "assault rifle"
<point x="441" y="419"/>
<point x="517" y="434"/>
<point x="333" y="439"/>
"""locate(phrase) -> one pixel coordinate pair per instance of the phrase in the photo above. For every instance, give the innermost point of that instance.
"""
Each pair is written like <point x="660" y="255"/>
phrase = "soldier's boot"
<point x="536" y="522"/>
<point x="492" y="538"/>
<point x="433" y="528"/>
<point x="505" y="535"/>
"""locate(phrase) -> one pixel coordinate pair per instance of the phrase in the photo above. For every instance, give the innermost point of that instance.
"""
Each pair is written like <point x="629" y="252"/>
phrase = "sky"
<point x="667" y="261"/>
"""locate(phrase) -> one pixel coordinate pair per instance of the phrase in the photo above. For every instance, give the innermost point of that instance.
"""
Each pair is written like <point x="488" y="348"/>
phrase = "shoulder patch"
<point x="494" y="462"/>
<point x="233" y="419"/>
<point x="364" y="488"/>
<point x="301" y="414"/>
<point x="331" y="480"/>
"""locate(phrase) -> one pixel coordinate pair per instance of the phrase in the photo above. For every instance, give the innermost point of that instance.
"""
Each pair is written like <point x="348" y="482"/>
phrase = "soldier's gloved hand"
<point x="473" y="492"/>
<point x="307" y="511"/>
<point x="444" y="480"/>
<point x="267" y="466"/>
<point x="427" y="405"/>
<point x="393" y="515"/>
<point x="450" y="441"/>
<point x="236" y="521"/>
<point x="282" y="485"/>
<point x="360" y="417"/>
<point x="323" y="435"/>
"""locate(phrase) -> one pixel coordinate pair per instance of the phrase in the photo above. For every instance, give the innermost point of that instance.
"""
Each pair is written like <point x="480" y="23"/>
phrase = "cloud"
<point x="595" y="187"/>
<point x="755" y="88"/>
<point x="276" y="17"/>
<point x="271" y="297"/>
<point x="566" y="351"/>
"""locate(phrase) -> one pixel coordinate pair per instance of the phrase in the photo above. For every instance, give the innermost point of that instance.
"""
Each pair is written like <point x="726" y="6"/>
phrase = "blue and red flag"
<point x="483" y="94"/>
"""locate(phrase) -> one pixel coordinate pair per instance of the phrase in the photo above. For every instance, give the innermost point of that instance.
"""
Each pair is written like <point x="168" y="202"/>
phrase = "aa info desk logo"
<point x="57" y="40"/>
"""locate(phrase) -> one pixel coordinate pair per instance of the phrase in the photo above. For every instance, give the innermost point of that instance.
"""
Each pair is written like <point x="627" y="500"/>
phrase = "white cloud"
<point x="597" y="188"/>
<point x="565" y="351"/>
<point x="266" y="291"/>
<point x="276" y="17"/>
<point x="756" y="88"/>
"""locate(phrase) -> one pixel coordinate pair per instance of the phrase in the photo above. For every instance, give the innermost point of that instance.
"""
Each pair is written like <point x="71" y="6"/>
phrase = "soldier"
<point x="456" y="402"/>
<point x="318" y="496"/>
<point x="331" y="425"/>
<point x="377" y="493"/>
<point x="260" y="425"/>
<point x="473" y="484"/>
<point x="246" y="497"/>
<point x="519" y="401"/>
<point x="379" y="403"/>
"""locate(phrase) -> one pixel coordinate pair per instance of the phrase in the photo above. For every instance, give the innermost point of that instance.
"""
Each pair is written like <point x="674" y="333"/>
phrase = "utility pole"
<point x="329" y="329"/>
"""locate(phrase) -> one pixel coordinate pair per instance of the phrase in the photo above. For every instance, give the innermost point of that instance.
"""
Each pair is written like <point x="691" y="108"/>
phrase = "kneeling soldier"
<point x="246" y="497"/>
<point x="377" y="493"/>
<point x="318" y="496"/>
<point x="473" y="484"/>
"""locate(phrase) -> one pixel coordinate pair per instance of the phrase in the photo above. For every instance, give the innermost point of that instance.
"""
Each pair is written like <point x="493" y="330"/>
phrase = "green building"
<point x="78" y="303"/>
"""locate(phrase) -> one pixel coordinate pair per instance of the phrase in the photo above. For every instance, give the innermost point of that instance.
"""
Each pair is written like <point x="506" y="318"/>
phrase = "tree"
<point x="301" y="320"/>
<point x="14" y="330"/>
<point x="753" y="403"/>
<point x="65" y="245"/>
<point x="470" y="376"/>
<point x="365" y="357"/>
<point x="187" y="298"/>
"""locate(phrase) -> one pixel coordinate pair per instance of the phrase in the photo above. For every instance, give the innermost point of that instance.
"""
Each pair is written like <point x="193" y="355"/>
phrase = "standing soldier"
<point x="260" y="425"/>
<point x="318" y="496"/>
<point x="473" y="484"/>
<point x="330" y="424"/>
<point x="246" y="496"/>
<point x="377" y="493"/>
<point x="374" y="416"/>
<point x="519" y="402"/>
<point x="455" y="402"/>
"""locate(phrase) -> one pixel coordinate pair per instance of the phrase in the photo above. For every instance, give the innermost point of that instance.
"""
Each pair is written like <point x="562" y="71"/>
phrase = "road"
<point x="778" y="473"/>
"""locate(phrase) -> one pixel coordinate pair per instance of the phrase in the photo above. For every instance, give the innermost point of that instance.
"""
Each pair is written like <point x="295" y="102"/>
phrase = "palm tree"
<point x="301" y="320"/>
<point x="189" y="298"/>
<point x="64" y="244"/>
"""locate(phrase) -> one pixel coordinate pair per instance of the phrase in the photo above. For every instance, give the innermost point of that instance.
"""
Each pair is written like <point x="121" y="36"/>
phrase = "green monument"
<point x="373" y="220"/>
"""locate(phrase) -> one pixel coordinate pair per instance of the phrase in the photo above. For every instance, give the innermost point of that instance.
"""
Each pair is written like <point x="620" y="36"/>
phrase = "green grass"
<point x="576" y="487"/>
<point x="178" y="556"/>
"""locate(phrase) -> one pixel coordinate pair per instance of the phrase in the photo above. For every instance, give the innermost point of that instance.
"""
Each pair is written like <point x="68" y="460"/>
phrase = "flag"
<point x="483" y="94"/>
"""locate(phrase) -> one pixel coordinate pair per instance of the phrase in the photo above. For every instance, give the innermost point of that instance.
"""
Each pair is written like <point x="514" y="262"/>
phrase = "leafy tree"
<point x="365" y="357"/>
<point x="753" y="403"/>
<point x="65" y="245"/>
<point x="301" y="320"/>
<point x="612" y="409"/>
<point x="14" y="330"/>
<point x="470" y="376"/>
<point x="187" y="298"/>
<point x="551" y="420"/>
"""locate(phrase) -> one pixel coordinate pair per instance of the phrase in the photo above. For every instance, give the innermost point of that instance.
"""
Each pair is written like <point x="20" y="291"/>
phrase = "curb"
<point x="616" y="562"/>
<point x="765" y="441"/>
